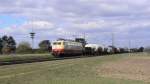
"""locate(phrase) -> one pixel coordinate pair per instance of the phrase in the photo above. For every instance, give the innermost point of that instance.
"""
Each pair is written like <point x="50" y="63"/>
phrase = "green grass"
<point x="68" y="71"/>
<point x="9" y="59"/>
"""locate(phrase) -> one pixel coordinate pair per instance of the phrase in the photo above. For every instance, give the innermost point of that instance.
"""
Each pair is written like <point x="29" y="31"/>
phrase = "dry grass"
<point x="134" y="68"/>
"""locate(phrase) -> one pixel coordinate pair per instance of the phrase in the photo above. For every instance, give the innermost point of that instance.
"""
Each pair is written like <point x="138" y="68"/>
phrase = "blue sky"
<point x="97" y="19"/>
<point x="7" y="21"/>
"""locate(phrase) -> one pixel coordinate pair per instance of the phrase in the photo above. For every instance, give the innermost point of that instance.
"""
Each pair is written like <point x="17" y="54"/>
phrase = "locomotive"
<point x="67" y="47"/>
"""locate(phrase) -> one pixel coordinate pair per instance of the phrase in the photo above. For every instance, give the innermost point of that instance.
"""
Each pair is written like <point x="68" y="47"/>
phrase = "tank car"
<point x="117" y="50"/>
<point x="126" y="50"/>
<point x="94" y="49"/>
<point x="109" y="50"/>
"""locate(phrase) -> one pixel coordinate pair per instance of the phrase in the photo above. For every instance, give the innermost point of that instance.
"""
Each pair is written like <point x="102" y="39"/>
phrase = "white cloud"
<point x="52" y="17"/>
<point x="39" y="25"/>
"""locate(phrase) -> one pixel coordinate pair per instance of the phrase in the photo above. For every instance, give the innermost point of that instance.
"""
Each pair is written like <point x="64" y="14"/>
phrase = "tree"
<point x="141" y="49"/>
<point x="81" y="40"/>
<point x="8" y="45"/>
<point x="45" y="45"/>
<point x="4" y="40"/>
<point x="1" y="46"/>
<point x="5" y="49"/>
<point x="24" y="48"/>
<point x="12" y="44"/>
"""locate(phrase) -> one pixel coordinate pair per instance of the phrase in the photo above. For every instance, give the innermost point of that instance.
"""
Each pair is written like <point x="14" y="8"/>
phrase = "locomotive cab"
<point x="58" y="48"/>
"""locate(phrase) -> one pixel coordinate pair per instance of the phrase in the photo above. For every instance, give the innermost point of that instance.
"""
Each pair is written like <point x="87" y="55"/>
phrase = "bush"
<point x="24" y="48"/>
<point x="45" y="46"/>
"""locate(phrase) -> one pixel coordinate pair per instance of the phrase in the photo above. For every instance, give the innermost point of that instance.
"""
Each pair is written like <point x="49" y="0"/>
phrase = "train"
<point x="66" y="47"/>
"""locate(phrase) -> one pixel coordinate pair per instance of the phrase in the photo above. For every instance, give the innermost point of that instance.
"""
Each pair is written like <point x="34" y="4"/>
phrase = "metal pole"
<point x="113" y="39"/>
<point x="32" y="34"/>
<point x="84" y="36"/>
<point x="32" y="37"/>
<point x="32" y="43"/>
<point x="129" y="45"/>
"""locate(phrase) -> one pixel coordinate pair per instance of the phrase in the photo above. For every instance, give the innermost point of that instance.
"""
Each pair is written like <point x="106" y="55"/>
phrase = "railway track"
<point x="36" y="59"/>
<point x="15" y="60"/>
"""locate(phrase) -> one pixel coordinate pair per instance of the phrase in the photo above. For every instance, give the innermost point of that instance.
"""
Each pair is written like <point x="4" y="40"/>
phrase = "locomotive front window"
<point x="57" y="43"/>
<point x="54" y="43"/>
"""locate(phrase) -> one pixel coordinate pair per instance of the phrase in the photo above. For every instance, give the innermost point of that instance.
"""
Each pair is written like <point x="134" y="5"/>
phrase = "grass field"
<point x="26" y="58"/>
<point x="113" y="69"/>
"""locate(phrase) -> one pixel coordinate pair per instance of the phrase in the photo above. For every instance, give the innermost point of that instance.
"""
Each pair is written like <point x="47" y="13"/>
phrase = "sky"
<point x="128" y="20"/>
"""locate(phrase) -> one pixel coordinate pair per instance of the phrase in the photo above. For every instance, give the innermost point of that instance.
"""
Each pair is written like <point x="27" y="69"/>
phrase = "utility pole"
<point x="32" y="35"/>
<point x="84" y="36"/>
<point x="74" y="36"/>
<point x="113" y="39"/>
<point x="129" y="45"/>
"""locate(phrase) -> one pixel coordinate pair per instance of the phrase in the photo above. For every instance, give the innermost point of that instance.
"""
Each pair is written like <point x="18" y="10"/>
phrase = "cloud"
<point x="39" y="25"/>
<point x="28" y="26"/>
<point x="56" y="18"/>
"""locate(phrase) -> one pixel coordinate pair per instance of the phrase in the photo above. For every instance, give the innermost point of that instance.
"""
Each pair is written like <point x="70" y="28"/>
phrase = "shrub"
<point x="45" y="46"/>
<point x="24" y="48"/>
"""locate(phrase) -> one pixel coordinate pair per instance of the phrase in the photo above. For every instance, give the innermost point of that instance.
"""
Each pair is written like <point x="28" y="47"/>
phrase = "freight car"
<point x="67" y="47"/>
<point x="94" y="49"/>
<point x="110" y="50"/>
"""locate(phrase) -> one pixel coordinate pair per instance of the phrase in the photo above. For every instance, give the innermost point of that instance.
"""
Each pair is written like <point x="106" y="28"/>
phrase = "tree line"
<point x="8" y="45"/>
<point x="25" y="47"/>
